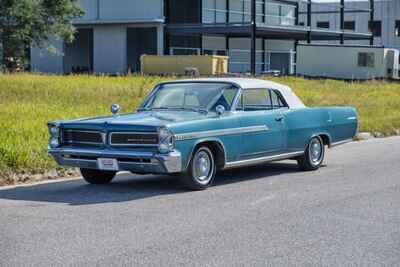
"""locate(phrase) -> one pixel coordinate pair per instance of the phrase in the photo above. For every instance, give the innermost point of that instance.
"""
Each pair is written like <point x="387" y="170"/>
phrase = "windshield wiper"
<point x="199" y="110"/>
<point x="150" y="109"/>
<point x="142" y="109"/>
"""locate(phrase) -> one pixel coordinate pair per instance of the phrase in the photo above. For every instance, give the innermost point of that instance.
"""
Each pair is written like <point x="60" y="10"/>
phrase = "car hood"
<point x="139" y="120"/>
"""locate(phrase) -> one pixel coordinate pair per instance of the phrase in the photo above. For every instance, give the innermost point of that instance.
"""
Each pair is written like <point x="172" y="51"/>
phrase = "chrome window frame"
<point x="240" y="95"/>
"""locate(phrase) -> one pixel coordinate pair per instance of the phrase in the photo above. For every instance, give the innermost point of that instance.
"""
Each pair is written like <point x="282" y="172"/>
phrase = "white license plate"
<point x="107" y="164"/>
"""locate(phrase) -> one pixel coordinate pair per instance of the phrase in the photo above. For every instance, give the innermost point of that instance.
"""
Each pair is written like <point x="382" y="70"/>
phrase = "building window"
<point x="366" y="59"/>
<point x="375" y="27"/>
<point x="397" y="28"/>
<point x="323" y="24"/>
<point x="301" y="23"/>
<point x="350" y="25"/>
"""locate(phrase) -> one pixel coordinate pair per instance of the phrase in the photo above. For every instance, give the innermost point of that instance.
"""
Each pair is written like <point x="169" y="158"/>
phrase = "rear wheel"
<point x="201" y="171"/>
<point x="97" y="177"/>
<point x="313" y="156"/>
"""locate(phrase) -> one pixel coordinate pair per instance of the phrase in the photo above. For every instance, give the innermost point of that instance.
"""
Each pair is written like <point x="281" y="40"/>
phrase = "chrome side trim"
<point x="255" y="161"/>
<point x="341" y="142"/>
<point x="212" y="133"/>
<point x="352" y="118"/>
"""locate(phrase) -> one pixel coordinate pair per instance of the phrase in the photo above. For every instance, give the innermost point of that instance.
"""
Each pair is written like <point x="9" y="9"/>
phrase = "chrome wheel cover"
<point x="316" y="151"/>
<point x="203" y="166"/>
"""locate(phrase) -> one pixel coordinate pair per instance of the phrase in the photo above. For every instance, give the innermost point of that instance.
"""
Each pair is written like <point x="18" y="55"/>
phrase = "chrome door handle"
<point x="280" y="118"/>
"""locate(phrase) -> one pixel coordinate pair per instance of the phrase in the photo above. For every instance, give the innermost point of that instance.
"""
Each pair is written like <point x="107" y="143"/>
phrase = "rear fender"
<point x="326" y="138"/>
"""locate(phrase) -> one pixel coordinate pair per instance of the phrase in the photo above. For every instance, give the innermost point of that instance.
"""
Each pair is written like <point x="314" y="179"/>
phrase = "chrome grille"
<point x="133" y="139"/>
<point x="82" y="137"/>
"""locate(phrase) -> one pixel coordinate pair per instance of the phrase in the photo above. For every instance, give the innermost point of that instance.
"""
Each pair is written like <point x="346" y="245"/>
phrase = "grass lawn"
<point x="28" y="101"/>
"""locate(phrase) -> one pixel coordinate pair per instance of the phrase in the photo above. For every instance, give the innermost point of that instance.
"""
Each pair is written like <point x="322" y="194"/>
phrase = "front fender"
<point x="187" y="148"/>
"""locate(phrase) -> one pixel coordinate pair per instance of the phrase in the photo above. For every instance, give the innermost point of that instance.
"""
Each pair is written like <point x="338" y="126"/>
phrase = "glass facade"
<point x="239" y="11"/>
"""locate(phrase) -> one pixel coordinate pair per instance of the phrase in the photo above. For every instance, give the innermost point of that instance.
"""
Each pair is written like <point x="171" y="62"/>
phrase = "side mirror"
<point x="220" y="109"/>
<point x="115" y="109"/>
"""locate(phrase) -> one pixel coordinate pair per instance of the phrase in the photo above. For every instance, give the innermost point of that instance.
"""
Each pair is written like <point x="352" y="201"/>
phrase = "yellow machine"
<point x="178" y="65"/>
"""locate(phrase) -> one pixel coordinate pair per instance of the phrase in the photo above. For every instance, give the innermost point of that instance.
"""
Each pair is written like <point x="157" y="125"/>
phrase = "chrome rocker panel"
<point x="259" y="160"/>
<point x="158" y="163"/>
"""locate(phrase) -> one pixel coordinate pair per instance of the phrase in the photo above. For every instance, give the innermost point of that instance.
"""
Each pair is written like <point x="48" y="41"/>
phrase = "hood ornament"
<point x="115" y="109"/>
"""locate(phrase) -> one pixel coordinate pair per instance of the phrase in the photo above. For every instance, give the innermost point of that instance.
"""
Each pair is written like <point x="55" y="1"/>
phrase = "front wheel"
<point x="201" y="171"/>
<point x="97" y="177"/>
<point x="313" y="156"/>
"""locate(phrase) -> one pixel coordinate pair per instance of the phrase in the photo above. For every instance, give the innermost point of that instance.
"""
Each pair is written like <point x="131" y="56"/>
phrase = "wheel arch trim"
<point x="206" y="140"/>
<point x="321" y="135"/>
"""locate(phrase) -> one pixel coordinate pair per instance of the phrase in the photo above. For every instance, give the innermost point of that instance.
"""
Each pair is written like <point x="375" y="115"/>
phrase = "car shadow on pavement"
<point x="128" y="187"/>
<point x="255" y="172"/>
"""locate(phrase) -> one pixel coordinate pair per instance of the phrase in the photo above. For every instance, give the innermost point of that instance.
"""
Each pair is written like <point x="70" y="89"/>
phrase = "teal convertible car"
<point x="193" y="128"/>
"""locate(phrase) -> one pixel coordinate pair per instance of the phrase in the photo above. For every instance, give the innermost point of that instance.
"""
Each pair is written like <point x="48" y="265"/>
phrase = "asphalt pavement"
<point x="345" y="214"/>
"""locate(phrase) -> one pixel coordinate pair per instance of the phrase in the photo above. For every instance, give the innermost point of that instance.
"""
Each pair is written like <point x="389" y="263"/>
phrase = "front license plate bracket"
<point x="107" y="164"/>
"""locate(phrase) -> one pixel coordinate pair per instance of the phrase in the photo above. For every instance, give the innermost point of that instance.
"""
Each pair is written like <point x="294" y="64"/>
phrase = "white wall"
<point x="109" y="49"/>
<point x="131" y="9"/>
<point x="42" y="60"/>
<point x="90" y="8"/>
<point x="338" y="62"/>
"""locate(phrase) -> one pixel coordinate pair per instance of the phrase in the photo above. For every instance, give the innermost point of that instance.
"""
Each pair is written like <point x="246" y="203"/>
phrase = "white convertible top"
<point x="246" y="83"/>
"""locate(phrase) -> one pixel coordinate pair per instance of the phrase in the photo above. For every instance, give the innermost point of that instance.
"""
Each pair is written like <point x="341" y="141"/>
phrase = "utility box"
<point x="393" y="68"/>
<point x="347" y="62"/>
<point x="177" y="65"/>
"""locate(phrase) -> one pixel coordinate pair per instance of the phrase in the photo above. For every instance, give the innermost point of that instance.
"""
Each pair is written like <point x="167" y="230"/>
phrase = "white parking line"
<point x="263" y="199"/>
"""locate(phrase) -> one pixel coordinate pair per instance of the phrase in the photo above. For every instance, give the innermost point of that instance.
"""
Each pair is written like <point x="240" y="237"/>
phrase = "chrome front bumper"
<point x="133" y="161"/>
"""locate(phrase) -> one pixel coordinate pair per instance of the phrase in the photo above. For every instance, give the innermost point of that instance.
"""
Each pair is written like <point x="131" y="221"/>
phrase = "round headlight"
<point x="164" y="133"/>
<point x="54" y="142"/>
<point x="166" y="143"/>
<point x="54" y="130"/>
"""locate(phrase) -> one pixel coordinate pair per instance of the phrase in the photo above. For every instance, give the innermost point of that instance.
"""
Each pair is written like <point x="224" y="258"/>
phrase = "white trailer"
<point x="347" y="62"/>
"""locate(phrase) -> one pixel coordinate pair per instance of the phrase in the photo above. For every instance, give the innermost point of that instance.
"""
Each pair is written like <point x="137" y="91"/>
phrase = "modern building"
<point x="257" y="35"/>
<point x="385" y="24"/>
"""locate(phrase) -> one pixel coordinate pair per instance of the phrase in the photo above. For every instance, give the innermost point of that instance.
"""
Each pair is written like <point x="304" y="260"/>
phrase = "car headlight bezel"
<point x="166" y="142"/>
<point x="54" y="131"/>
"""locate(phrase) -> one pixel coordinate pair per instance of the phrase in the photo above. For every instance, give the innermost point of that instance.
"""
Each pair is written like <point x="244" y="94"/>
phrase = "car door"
<point x="264" y="131"/>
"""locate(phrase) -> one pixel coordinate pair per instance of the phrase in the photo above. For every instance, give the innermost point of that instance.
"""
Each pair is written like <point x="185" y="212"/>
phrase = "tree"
<point x="33" y="22"/>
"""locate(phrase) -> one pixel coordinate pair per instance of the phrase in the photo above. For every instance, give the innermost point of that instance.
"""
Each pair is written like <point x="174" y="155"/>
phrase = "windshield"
<point x="193" y="96"/>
